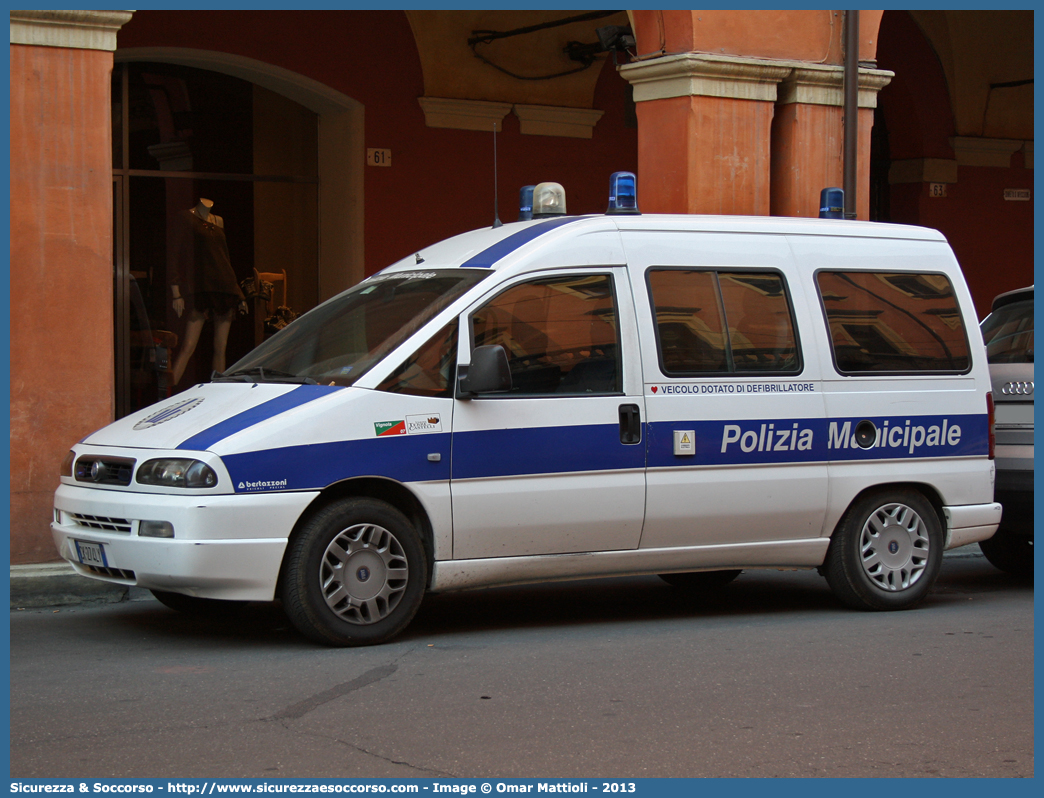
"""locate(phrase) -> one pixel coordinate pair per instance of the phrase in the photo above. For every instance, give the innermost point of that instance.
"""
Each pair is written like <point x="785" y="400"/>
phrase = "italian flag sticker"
<point x="383" y="428"/>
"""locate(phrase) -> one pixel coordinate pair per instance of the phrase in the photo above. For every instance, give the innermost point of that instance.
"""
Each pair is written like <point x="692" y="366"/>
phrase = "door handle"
<point x="630" y="424"/>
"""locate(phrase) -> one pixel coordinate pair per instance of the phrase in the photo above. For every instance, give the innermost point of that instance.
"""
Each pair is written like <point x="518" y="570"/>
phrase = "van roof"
<point x="486" y="247"/>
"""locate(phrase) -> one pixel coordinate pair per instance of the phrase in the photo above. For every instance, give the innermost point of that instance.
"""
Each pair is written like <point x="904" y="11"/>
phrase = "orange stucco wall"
<point x="797" y="35"/>
<point x="700" y="154"/>
<point x="796" y="177"/>
<point x="61" y="274"/>
<point x="713" y="156"/>
<point x="807" y="156"/>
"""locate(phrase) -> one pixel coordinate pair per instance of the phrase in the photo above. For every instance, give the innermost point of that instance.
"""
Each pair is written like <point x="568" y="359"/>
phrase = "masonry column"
<point x="808" y="137"/>
<point x="704" y="132"/>
<point x="61" y="318"/>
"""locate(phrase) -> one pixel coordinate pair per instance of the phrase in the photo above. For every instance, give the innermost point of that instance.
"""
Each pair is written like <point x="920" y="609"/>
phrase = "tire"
<point x="1010" y="553"/>
<point x="700" y="581"/>
<point x="355" y="574"/>
<point x="886" y="552"/>
<point x="199" y="607"/>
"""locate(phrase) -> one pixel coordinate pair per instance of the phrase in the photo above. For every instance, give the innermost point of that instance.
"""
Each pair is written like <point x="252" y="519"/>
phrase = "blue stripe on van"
<point x="404" y="458"/>
<point x="487" y="257"/>
<point x="597" y="447"/>
<point x="262" y="412"/>
<point x="818" y="440"/>
<point x="543" y="450"/>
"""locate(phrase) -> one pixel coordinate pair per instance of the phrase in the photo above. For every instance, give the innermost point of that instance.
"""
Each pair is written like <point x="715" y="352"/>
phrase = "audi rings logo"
<point x="1023" y="388"/>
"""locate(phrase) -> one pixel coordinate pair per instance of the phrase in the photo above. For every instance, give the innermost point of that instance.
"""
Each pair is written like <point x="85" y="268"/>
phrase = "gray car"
<point x="1008" y="333"/>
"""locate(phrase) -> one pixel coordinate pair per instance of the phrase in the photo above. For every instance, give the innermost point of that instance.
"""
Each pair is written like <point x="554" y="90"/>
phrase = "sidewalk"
<point x="57" y="585"/>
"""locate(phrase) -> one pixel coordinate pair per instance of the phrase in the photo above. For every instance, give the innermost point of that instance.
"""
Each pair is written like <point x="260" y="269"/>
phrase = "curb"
<point x="57" y="585"/>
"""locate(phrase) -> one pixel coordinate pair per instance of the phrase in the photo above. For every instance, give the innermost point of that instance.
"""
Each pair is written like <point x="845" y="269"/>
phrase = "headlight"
<point x="177" y="473"/>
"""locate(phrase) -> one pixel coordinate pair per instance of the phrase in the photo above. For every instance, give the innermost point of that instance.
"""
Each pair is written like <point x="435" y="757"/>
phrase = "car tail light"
<point x="991" y="416"/>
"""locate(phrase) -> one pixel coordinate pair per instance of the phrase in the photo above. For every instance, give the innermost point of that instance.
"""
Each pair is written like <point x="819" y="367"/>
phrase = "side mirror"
<point x="488" y="373"/>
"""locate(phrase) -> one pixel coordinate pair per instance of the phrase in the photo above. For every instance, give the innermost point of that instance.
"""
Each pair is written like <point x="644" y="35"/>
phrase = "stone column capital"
<point x="706" y="75"/>
<point x="79" y="30"/>
<point x="769" y="80"/>
<point x="823" y="84"/>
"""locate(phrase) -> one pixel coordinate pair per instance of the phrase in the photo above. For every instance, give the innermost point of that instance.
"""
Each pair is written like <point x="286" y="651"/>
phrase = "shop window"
<point x="218" y="217"/>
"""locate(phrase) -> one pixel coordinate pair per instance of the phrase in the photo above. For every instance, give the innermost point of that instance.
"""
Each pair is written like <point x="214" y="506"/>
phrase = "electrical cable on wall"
<point x="586" y="54"/>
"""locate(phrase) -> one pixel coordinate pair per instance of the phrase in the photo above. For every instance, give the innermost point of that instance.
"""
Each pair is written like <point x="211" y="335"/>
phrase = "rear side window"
<point x="718" y="322"/>
<point x="1008" y="333"/>
<point x="893" y="322"/>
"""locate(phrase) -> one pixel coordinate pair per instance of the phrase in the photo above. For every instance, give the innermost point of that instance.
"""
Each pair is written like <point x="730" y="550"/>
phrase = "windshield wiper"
<point x="260" y="374"/>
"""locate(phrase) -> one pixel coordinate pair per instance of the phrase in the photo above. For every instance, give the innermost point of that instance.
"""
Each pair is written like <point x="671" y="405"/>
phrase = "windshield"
<point x="340" y="340"/>
<point x="1008" y="333"/>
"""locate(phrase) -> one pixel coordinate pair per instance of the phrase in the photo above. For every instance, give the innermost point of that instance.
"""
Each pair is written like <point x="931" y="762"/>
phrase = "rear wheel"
<point x="886" y="552"/>
<point x="194" y="605"/>
<point x="700" y="581"/>
<point x="355" y="574"/>
<point x="1011" y="553"/>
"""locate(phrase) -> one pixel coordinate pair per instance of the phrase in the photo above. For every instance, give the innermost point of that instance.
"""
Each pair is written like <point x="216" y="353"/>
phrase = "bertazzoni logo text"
<point x="270" y="484"/>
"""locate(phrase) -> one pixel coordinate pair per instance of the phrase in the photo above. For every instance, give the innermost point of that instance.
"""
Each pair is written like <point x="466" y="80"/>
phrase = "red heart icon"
<point x="654" y="389"/>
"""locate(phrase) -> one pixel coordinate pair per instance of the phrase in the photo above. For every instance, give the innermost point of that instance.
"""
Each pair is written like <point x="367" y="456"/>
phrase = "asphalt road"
<point x="619" y="678"/>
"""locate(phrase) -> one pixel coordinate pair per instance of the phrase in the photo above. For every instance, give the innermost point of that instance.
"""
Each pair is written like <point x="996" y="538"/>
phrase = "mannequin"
<point x="202" y="267"/>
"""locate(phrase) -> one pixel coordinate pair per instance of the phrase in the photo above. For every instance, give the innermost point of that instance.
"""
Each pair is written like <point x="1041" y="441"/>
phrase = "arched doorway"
<point x="279" y="157"/>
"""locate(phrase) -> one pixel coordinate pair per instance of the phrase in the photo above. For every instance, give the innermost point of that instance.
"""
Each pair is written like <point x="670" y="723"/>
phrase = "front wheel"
<point x="355" y="574"/>
<point x="886" y="552"/>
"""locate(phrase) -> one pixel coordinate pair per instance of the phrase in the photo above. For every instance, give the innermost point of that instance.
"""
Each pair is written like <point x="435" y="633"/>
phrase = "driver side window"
<point x="561" y="335"/>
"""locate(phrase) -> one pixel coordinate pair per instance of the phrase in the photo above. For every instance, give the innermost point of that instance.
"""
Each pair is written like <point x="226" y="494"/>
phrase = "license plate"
<point x="1014" y="413"/>
<point x="91" y="553"/>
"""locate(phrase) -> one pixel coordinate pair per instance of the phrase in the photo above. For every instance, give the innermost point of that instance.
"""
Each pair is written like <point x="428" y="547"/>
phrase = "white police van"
<point x="561" y="398"/>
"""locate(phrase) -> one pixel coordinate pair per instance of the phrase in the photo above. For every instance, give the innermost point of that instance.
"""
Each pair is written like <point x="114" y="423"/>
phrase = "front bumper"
<point x="225" y="547"/>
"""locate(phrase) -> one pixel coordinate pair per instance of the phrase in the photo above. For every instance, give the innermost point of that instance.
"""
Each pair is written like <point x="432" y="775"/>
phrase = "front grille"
<point x="120" y="525"/>
<point x="104" y="470"/>
<point x="111" y="573"/>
